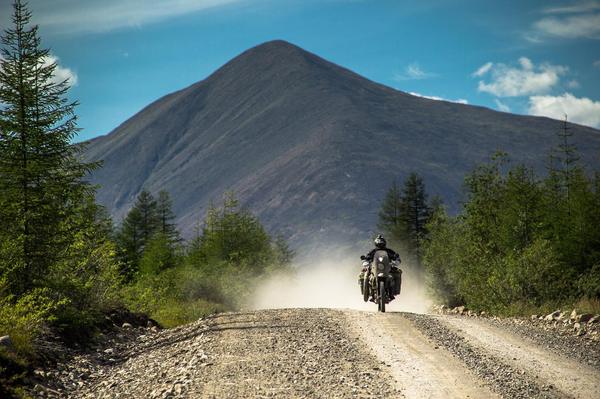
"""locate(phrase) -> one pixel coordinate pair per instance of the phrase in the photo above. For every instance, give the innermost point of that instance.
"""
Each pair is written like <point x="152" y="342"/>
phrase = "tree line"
<point x="175" y="281"/>
<point x="521" y="242"/>
<point x="63" y="265"/>
<point x="404" y="215"/>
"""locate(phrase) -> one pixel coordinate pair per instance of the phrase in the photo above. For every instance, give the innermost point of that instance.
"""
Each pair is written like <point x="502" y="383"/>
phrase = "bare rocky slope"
<point x="326" y="353"/>
<point x="309" y="146"/>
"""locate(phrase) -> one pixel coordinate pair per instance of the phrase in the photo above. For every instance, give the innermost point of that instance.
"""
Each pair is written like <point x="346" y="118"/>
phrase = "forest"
<point x="521" y="244"/>
<point x="63" y="264"/>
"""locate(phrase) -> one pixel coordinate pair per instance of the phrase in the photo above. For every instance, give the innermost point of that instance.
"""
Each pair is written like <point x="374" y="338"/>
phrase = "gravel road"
<point x="324" y="353"/>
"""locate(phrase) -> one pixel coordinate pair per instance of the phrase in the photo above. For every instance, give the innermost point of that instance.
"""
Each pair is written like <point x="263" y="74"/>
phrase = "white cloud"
<point x="483" y="69"/>
<point x="60" y="73"/>
<point x="501" y="106"/>
<point x="580" y="110"/>
<point x="573" y="84"/>
<point x="584" y="6"/>
<point x="527" y="79"/>
<point x="596" y="64"/>
<point x="414" y="72"/>
<point x="78" y="16"/>
<point x="459" y="100"/>
<point x="576" y="20"/>
<point x="571" y="27"/>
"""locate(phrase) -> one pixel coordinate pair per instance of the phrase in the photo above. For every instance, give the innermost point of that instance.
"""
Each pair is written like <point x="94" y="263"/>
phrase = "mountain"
<point x="308" y="146"/>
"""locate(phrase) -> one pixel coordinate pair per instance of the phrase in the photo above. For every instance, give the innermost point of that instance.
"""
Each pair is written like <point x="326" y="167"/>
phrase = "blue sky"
<point x="526" y="57"/>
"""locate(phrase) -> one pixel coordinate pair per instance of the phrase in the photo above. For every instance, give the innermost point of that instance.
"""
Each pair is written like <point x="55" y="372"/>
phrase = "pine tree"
<point x="391" y="222"/>
<point x="138" y="228"/>
<point x="568" y="158"/>
<point x="150" y="222"/>
<point x="521" y="209"/>
<point x="283" y="253"/>
<point x="404" y="214"/>
<point x="40" y="171"/>
<point x="166" y="217"/>
<point x="234" y="234"/>
<point x="415" y="213"/>
<point x="131" y="243"/>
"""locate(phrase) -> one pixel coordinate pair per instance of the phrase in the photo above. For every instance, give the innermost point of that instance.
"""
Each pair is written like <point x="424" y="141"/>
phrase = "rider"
<point x="381" y="245"/>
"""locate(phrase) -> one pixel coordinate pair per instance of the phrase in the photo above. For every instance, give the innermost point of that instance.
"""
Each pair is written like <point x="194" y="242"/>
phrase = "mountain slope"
<point x="309" y="146"/>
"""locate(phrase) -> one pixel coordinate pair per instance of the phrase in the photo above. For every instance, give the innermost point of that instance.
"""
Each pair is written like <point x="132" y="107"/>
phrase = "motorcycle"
<point x="380" y="279"/>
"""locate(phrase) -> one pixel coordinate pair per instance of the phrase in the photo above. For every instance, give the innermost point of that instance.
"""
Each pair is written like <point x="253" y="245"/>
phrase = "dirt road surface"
<point x="326" y="353"/>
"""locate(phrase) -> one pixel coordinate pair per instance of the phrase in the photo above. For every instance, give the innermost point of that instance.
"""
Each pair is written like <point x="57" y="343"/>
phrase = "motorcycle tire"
<point x="382" y="296"/>
<point x="366" y="289"/>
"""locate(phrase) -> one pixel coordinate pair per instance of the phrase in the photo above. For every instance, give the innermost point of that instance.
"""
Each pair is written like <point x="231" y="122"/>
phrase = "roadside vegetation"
<point x="63" y="266"/>
<point x="522" y="244"/>
<point x="176" y="282"/>
<point x="404" y="218"/>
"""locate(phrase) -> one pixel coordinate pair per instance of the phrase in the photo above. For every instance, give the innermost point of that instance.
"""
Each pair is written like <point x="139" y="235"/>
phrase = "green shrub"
<point x="26" y="317"/>
<point x="520" y="244"/>
<point x="589" y="283"/>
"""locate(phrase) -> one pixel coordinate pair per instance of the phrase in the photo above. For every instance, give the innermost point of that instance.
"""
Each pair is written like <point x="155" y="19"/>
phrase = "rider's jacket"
<point x="391" y="253"/>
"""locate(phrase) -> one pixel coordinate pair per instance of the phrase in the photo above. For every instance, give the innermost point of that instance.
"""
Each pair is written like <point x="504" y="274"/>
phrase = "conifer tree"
<point x="233" y="233"/>
<point x="40" y="171"/>
<point x="404" y="214"/>
<point x="150" y="223"/>
<point x="391" y="222"/>
<point x="166" y="217"/>
<point x="568" y="158"/>
<point x="138" y="228"/>
<point x="415" y="213"/>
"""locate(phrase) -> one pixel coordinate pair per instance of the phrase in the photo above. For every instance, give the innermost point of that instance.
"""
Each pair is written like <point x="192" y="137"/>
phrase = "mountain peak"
<point x="276" y="44"/>
<point x="279" y="51"/>
<point x="309" y="146"/>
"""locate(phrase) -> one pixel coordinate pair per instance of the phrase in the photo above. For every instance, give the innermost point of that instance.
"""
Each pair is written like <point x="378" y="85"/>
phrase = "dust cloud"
<point x="333" y="283"/>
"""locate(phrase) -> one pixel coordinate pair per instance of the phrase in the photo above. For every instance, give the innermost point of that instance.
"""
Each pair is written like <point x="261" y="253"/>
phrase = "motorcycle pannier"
<point x="397" y="275"/>
<point x="361" y="279"/>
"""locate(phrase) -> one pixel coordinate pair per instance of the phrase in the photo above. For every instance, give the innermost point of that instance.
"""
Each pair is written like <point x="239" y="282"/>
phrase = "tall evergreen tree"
<point x="138" y="228"/>
<point x="166" y="217"/>
<point x="391" y="222"/>
<point x="404" y="214"/>
<point x="150" y="222"/>
<point x="40" y="171"/>
<point x="131" y="243"/>
<point x="233" y="233"/>
<point x="568" y="158"/>
<point x="415" y="213"/>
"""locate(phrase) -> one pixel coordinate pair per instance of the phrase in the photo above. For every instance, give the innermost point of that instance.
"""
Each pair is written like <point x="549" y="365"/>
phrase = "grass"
<point x="173" y="313"/>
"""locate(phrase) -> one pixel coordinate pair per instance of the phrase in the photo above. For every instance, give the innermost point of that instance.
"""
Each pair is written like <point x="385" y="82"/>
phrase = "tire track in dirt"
<point x="508" y="380"/>
<point x="421" y="369"/>
<point x="570" y="377"/>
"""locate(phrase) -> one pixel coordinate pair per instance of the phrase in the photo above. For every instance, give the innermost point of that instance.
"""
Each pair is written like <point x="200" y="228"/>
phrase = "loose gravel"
<point x="554" y="337"/>
<point x="501" y="377"/>
<point x="293" y="353"/>
<point x="316" y="353"/>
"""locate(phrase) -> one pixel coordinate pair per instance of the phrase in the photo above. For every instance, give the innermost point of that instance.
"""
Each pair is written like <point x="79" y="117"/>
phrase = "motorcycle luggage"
<point x="397" y="276"/>
<point x="361" y="279"/>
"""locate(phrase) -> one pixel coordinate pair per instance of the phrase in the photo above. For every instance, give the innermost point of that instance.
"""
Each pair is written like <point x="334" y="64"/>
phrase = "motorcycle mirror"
<point x="362" y="257"/>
